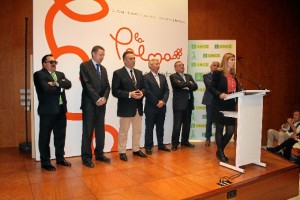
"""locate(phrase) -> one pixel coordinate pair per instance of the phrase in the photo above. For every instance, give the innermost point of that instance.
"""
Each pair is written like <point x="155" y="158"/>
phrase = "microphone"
<point x="251" y="80"/>
<point x="239" y="82"/>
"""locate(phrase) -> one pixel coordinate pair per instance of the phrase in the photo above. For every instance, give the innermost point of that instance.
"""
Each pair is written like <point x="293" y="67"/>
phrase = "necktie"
<point x="132" y="77"/>
<point x="98" y="70"/>
<point x="53" y="74"/>
<point x="182" y="75"/>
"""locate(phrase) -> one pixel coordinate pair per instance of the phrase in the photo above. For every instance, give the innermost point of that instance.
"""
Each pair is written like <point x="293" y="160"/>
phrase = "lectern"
<point x="249" y="126"/>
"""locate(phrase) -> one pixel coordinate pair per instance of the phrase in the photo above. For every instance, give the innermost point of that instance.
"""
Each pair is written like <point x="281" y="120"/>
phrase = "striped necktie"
<point x="53" y="74"/>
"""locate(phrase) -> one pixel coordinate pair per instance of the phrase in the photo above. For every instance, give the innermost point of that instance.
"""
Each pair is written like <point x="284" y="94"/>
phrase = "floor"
<point x="297" y="197"/>
<point x="163" y="175"/>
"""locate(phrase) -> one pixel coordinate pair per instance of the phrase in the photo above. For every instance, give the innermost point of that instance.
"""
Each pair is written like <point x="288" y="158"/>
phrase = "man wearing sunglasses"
<point x="50" y="87"/>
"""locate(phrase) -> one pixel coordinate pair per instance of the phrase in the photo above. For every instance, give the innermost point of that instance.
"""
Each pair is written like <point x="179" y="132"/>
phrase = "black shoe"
<point x="271" y="149"/>
<point x="103" y="158"/>
<point x="174" y="147"/>
<point x="64" y="163"/>
<point x="123" y="156"/>
<point x="49" y="167"/>
<point x="89" y="164"/>
<point x="207" y="143"/>
<point x="148" y="151"/>
<point x="164" y="148"/>
<point x="221" y="156"/>
<point x="139" y="153"/>
<point x="187" y="144"/>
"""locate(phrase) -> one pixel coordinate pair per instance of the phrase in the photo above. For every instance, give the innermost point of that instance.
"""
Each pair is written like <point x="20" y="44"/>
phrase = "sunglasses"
<point x="52" y="62"/>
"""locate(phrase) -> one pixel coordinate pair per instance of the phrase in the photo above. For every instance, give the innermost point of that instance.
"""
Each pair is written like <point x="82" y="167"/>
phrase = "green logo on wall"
<point x="223" y="46"/>
<point x="211" y="55"/>
<point x="199" y="107"/>
<point x="199" y="76"/>
<point x="194" y="46"/>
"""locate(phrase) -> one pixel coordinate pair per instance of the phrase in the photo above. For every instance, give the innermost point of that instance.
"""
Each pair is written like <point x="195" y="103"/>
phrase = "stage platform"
<point x="188" y="173"/>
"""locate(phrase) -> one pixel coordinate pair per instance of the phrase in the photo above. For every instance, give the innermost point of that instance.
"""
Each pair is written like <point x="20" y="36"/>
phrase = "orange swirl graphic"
<point x="60" y="5"/>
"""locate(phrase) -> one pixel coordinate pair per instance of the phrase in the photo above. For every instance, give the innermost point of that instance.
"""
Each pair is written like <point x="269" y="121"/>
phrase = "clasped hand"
<point x="136" y="94"/>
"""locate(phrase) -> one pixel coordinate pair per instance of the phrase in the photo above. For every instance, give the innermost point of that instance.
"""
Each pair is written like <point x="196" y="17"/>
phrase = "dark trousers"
<point x="92" y="118"/>
<point x="152" y="119"/>
<point x="287" y="147"/>
<point x="208" y="132"/>
<point x="57" y="123"/>
<point x="181" y="120"/>
<point x="222" y="140"/>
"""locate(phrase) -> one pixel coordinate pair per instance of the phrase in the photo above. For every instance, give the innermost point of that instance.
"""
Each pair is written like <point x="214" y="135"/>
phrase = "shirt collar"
<point x="94" y="62"/>
<point x="154" y="74"/>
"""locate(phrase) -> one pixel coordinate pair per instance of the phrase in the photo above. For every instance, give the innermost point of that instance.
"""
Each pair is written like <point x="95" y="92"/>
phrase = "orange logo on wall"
<point x="141" y="49"/>
<point x="60" y="5"/>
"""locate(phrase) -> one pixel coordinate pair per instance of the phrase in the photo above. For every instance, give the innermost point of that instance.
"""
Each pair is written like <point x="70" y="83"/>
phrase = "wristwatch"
<point x="55" y="84"/>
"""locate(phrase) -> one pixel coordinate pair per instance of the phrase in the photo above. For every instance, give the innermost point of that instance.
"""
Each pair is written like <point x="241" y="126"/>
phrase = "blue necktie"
<point x="98" y="70"/>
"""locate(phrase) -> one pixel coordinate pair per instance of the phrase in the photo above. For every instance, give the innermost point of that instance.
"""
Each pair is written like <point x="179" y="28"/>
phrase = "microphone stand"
<point x="25" y="146"/>
<point x="251" y="80"/>
<point x="239" y="82"/>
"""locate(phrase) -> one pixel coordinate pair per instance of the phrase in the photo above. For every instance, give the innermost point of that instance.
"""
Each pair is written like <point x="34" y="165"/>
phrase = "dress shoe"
<point x="123" y="156"/>
<point x="207" y="143"/>
<point x="174" y="147"/>
<point x="187" y="144"/>
<point x="148" y="151"/>
<point x="139" y="153"/>
<point x="64" y="163"/>
<point x="49" y="167"/>
<point x="103" y="158"/>
<point x="89" y="164"/>
<point x="221" y="156"/>
<point x="164" y="148"/>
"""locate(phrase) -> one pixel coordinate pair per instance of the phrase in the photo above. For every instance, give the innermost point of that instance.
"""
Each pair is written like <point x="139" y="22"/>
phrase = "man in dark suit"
<point x="95" y="92"/>
<point x="157" y="94"/>
<point x="50" y="87"/>
<point x="128" y="87"/>
<point x="207" y="101"/>
<point x="183" y="103"/>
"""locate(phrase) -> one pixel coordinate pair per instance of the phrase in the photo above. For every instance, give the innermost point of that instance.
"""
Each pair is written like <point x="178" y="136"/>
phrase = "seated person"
<point x="286" y="146"/>
<point x="283" y="135"/>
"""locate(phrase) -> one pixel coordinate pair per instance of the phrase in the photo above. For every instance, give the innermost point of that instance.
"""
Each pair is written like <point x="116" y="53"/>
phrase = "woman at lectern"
<point x="224" y="83"/>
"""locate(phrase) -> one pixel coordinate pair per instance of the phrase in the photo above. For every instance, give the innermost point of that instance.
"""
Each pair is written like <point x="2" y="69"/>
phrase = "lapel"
<point x="94" y="71"/>
<point x="154" y="80"/>
<point x="125" y="72"/>
<point x="209" y="76"/>
<point x="48" y="75"/>
<point x="180" y="77"/>
<point x="160" y="79"/>
<point x="224" y="81"/>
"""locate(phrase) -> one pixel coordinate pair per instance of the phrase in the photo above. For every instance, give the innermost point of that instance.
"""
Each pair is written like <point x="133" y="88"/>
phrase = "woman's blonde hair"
<point x="224" y="64"/>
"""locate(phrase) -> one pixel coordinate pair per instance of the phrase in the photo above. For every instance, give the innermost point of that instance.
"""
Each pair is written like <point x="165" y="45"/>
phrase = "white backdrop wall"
<point x="201" y="53"/>
<point x="69" y="30"/>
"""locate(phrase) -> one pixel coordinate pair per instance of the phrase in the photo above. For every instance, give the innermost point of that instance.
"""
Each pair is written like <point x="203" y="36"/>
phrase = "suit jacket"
<point x="92" y="87"/>
<point x="122" y="84"/>
<point x="208" y="96"/>
<point x="48" y="95"/>
<point x="218" y="86"/>
<point x="183" y="98"/>
<point x="154" y="93"/>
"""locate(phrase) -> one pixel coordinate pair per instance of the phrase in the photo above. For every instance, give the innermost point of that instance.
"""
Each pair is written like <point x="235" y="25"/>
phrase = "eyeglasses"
<point x="52" y="62"/>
